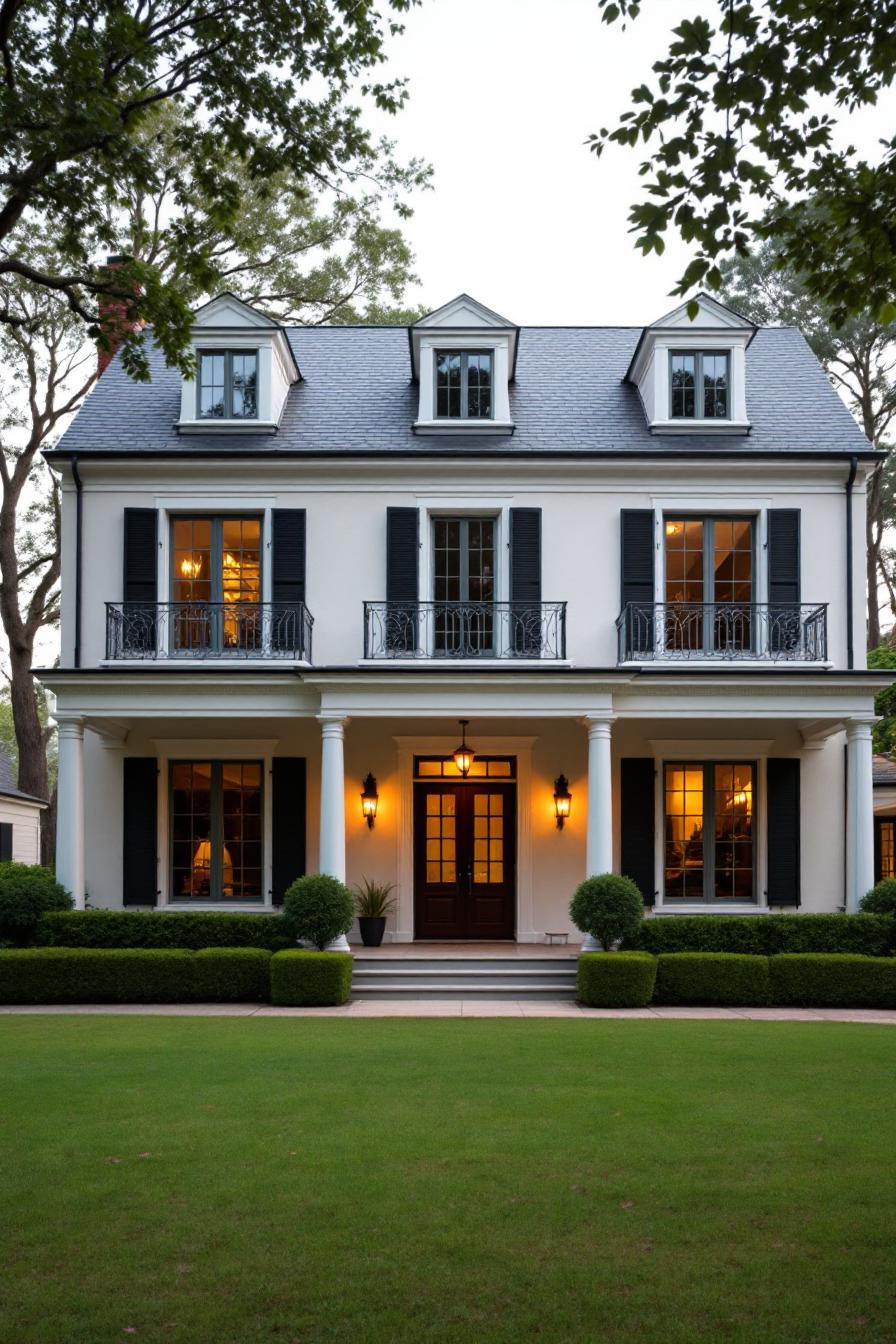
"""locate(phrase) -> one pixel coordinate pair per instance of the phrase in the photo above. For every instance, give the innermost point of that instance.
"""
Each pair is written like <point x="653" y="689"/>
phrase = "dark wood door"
<point x="464" y="860"/>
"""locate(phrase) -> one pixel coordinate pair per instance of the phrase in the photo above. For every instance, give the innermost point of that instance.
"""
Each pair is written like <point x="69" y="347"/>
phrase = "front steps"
<point x="532" y="979"/>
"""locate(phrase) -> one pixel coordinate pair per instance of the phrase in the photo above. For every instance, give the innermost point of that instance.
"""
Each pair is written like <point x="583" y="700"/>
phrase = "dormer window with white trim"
<point x="228" y="384"/>
<point x="463" y="359"/>
<point x="699" y="384"/>
<point x="245" y="367"/>
<point x="464" y="384"/>
<point x="691" y="373"/>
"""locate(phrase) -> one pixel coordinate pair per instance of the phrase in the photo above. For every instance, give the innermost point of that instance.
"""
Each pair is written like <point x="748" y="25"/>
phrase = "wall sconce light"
<point x="562" y="800"/>
<point x="464" y="756"/>
<point x="369" y="800"/>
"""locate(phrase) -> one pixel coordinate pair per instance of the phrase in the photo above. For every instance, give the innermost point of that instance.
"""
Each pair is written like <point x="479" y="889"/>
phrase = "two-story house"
<point x="470" y="608"/>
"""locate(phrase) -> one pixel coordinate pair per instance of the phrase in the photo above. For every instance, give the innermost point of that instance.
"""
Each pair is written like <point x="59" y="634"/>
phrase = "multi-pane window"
<point x="216" y="831"/>
<point x="709" y="584"/>
<point x="885" y="857"/>
<point x="216" y="583"/>
<point x="699" y="384"/>
<point x="709" y="843"/>
<point x="464" y="585"/>
<point x="441" y="838"/>
<point x="228" y="384"/>
<point x="463" y="384"/>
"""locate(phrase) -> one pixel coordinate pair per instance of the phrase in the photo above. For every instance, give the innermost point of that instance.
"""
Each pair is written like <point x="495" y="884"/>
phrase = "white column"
<point x="332" y="805"/>
<point x="859" y="812"/>
<point x="599" y="835"/>
<point x="70" y="809"/>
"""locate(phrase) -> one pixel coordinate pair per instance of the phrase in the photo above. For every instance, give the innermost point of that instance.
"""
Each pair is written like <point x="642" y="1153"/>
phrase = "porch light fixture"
<point x="562" y="800"/>
<point x="369" y="800"/>
<point x="464" y="756"/>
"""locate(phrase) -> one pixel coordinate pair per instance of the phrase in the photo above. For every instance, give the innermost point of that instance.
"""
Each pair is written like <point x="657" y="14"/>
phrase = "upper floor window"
<point x="463" y="384"/>
<point x="699" y="382"/>
<point x="228" y="385"/>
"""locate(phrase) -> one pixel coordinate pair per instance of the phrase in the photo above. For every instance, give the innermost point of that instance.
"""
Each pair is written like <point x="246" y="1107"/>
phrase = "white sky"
<point x="523" y="216"/>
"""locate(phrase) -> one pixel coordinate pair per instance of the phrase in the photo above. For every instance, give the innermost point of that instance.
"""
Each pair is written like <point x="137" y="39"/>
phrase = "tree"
<point x="270" y="82"/>
<point x="738" y="150"/>
<point x="860" y="359"/>
<point x="884" y="732"/>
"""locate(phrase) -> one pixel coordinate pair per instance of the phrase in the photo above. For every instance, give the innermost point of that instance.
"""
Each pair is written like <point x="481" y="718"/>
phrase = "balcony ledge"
<point x="730" y="664"/>
<point x="466" y="664"/>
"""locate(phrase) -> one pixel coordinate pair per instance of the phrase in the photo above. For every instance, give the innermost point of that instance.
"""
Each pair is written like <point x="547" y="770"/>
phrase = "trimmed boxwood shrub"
<point x="310" y="979"/>
<point x="27" y="892"/>
<point x="231" y="974"/>
<point x="716" y="979"/>
<point x="609" y="907"/>
<point x="192" y="929"/>
<point x="816" y="980"/>
<point x="317" y="909"/>
<point x="880" y="900"/>
<point x="768" y="935"/>
<point x="615" y="979"/>
<point x="82" y="975"/>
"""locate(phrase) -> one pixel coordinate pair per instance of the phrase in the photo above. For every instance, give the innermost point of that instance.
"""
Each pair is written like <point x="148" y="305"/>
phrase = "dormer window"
<point x="699" y="385"/>
<point x="463" y="384"/>
<point x="228" y="385"/>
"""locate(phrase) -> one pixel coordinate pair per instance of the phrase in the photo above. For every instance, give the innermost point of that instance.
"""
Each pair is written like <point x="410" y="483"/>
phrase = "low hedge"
<point x="191" y="929"/>
<point x="769" y="935"/>
<point x="816" y="980"/>
<point x="310" y="979"/>
<point x="615" y="979"/>
<point x="717" y="979"/>
<point x="133" y="975"/>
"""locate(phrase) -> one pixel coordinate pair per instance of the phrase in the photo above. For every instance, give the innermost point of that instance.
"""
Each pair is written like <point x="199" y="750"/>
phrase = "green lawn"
<point x="297" y="1181"/>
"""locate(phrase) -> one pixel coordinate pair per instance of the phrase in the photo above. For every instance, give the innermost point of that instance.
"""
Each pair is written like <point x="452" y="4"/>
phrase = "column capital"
<point x="599" y="725"/>
<point x="69" y="725"/>
<point x="859" y="728"/>
<point x="332" y="725"/>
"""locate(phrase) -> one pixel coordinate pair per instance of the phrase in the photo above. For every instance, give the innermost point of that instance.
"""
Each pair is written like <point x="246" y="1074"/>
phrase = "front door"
<point x="464" y="859"/>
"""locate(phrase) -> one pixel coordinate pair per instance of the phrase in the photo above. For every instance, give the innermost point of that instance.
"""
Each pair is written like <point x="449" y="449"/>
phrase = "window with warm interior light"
<point x="216" y="584"/>
<point x="709" y="583"/>
<point x="216" y="830"/>
<point x="709" y="832"/>
<point x="886" y="848"/>
<point x="699" y="385"/>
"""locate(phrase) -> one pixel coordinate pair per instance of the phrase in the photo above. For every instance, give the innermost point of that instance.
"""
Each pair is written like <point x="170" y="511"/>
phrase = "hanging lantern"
<point x="464" y="756"/>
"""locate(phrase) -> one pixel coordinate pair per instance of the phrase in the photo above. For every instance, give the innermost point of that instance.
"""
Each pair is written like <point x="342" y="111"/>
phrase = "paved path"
<point x="464" y="1008"/>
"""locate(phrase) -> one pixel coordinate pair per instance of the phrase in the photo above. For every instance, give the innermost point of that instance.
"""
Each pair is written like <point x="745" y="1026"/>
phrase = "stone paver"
<point x="379" y="1008"/>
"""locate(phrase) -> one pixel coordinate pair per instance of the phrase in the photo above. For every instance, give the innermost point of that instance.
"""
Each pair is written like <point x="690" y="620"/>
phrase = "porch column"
<point x="859" y="812"/>
<point x="70" y="809"/>
<point x="332" y="805"/>
<point x="599" y="836"/>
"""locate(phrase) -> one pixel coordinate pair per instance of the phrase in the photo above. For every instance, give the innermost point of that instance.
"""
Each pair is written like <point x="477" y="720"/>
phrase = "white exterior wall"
<point x="25" y="820"/>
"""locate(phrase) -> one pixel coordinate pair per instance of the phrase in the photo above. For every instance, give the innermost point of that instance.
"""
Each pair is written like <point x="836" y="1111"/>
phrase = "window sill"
<point x="226" y="426"/>
<point x="463" y="426"/>
<point x="710" y="908"/>
<point x="700" y="427"/>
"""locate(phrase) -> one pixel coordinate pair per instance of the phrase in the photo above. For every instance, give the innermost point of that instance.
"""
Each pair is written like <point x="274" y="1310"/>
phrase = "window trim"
<point x="712" y="901"/>
<point x="228" y="355"/>
<point x="216" y="835"/>
<point x="464" y="355"/>
<point x="699" y="390"/>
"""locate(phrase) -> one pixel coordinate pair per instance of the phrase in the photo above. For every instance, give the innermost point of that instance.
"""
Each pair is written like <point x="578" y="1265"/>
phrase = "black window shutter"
<point x="288" y="582"/>
<point x="637" y="562"/>
<point x="525" y="582"/>
<point x="139" y="830"/>
<point x="784" y="557"/>
<point x="402" y="579"/>
<point x="5" y="841"/>
<point x="637" y="817"/>
<point x="783" y="813"/>
<point x="288" y="822"/>
<point x="141" y="585"/>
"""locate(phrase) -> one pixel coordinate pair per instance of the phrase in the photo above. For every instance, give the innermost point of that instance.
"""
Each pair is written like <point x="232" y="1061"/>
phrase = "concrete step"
<point x="532" y="978"/>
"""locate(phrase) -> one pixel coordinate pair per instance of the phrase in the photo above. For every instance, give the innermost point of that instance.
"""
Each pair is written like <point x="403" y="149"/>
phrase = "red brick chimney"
<point x="113" y="320"/>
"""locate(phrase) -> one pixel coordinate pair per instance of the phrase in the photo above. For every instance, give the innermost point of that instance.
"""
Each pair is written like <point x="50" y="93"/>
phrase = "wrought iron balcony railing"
<point x="244" y="630"/>
<point x="723" y="632"/>
<point x="464" y="630"/>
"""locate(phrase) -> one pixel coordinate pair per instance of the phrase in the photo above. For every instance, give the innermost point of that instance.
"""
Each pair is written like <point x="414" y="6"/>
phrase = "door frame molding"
<point x="407" y="749"/>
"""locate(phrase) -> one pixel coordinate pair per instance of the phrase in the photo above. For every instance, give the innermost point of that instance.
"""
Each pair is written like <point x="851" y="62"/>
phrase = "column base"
<point x="339" y="944"/>
<point x="590" y="944"/>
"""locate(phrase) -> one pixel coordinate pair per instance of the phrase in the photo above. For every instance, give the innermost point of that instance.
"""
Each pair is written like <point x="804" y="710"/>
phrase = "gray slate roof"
<point x="883" y="770"/>
<point x="8" y="786"/>
<point x="357" y="397"/>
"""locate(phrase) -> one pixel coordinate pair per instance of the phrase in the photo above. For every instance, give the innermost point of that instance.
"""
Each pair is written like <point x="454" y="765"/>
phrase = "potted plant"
<point x="373" y="902"/>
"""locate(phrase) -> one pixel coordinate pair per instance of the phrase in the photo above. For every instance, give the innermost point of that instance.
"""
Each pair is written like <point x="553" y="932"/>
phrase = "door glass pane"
<point x="684" y="584"/>
<point x="464" y="586"/>
<point x="441" y="839"/>
<point x="733" y="806"/>
<point x="192" y="584"/>
<point x="191" y="830"/>
<point x="683" y="832"/>
<point x="732" y="583"/>
<point x="488" y="838"/>
<point x="241" y="830"/>
<point x="887" y="843"/>
<point x="241" y="583"/>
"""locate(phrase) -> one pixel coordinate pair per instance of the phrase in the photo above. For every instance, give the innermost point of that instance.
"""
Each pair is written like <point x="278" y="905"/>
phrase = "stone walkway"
<point x="464" y="1008"/>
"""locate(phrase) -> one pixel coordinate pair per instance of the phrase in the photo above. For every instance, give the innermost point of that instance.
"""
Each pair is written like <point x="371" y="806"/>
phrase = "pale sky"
<point x="523" y="216"/>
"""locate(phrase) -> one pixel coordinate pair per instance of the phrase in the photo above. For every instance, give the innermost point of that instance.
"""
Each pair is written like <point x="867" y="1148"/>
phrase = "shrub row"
<point x="767" y="935"/>
<point x="173" y="975"/>
<point x="728" y="979"/>
<point x="192" y="929"/>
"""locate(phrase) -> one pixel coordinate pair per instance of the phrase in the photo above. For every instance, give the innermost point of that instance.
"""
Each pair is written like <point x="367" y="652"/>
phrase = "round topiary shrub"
<point x="609" y="907"/>
<point x="317" y="909"/>
<point x="27" y="891"/>
<point x="880" y="900"/>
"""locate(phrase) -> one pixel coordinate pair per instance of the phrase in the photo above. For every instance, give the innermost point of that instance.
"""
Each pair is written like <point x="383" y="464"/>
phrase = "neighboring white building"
<point x="632" y="560"/>
<point x="19" y="818"/>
